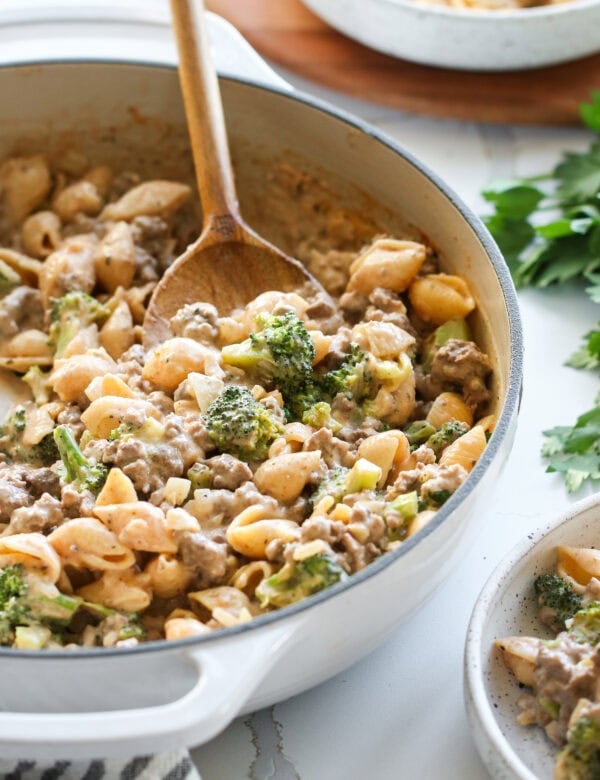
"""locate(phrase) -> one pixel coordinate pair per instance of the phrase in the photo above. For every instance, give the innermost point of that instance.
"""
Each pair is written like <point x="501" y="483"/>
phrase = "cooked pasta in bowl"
<point x="298" y="469"/>
<point x="477" y="35"/>
<point x="531" y="671"/>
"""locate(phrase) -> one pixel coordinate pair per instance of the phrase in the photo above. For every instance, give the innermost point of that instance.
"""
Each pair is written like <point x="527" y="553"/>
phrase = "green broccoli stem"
<point x="70" y="454"/>
<point x="59" y="609"/>
<point x="76" y="468"/>
<point x="99" y="610"/>
<point x="70" y="314"/>
<point x="418" y="433"/>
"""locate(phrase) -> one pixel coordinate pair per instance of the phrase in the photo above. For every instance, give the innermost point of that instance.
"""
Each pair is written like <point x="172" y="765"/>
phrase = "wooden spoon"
<point x="229" y="264"/>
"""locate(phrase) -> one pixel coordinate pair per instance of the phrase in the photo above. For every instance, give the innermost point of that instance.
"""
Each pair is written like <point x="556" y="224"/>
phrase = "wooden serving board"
<point x="287" y="33"/>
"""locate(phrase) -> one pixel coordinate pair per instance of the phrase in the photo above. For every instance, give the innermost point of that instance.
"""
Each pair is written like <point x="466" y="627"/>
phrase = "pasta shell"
<point x="578" y="565"/>
<point x="151" y="198"/>
<point x="87" y="544"/>
<point x="466" y="450"/>
<point x="449" y="406"/>
<point x="33" y="551"/>
<point x="520" y="654"/>
<point x="285" y="476"/>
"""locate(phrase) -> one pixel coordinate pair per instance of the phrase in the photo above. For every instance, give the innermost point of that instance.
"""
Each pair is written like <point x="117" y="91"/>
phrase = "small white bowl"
<point x="507" y="606"/>
<point x="468" y="39"/>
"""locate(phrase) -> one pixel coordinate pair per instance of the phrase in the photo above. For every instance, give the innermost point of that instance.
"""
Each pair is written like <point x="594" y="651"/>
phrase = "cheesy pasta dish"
<point x="562" y="673"/>
<point x="254" y="458"/>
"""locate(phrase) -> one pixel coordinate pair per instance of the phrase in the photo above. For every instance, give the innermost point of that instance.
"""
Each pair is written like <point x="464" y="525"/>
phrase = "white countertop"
<point x="399" y="713"/>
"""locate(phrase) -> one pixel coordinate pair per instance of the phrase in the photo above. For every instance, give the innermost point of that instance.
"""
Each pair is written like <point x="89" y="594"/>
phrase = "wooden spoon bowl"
<point x="229" y="264"/>
<point x="227" y="272"/>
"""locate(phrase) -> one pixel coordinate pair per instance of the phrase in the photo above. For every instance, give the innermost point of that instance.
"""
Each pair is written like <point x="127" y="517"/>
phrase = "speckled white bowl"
<point x="507" y="606"/>
<point x="468" y="39"/>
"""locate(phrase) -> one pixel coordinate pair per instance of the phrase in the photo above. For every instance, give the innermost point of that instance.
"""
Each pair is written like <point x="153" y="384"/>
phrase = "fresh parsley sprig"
<point x="543" y="253"/>
<point x="566" y="248"/>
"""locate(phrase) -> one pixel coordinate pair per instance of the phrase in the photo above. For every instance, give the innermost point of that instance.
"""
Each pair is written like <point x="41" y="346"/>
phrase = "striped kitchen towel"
<point x="166" y="766"/>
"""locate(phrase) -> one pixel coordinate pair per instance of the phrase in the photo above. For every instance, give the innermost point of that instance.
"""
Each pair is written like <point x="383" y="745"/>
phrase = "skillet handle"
<point x="117" y="31"/>
<point x="227" y="676"/>
<point x="234" y="56"/>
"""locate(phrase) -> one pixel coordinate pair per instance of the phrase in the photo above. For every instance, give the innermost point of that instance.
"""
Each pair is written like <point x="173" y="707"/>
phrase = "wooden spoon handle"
<point x="204" y="111"/>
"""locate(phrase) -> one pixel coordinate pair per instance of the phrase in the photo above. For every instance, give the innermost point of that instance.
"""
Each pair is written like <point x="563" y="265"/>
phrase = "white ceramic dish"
<point x="467" y="39"/>
<point x="86" y="703"/>
<point x="507" y="607"/>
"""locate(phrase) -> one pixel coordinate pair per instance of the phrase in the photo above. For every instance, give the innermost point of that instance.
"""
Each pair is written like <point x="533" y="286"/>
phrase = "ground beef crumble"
<point x="458" y="365"/>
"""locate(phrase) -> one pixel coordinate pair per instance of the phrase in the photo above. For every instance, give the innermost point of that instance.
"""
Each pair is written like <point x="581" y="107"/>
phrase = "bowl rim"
<point x="503" y="426"/>
<point x="484" y="16"/>
<point x="478" y="706"/>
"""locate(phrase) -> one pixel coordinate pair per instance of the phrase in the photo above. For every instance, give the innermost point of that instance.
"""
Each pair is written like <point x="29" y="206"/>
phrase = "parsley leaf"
<point x="513" y="199"/>
<point x="566" y="227"/>
<point x="588" y="355"/>
<point x="575" y="452"/>
<point x="590" y="112"/>
<point x="512" y="236"/>
<point x="578" y="175"/>
<point x="558" y="261"/>
<point x="594" y="289"/>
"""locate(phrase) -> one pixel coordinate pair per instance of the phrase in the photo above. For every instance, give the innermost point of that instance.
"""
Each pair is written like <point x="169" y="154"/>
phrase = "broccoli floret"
<point x="21" y="605"/>
<point x="241" y="426"/>
<point x="12" y="585"/>
<point x="298" y="400"/>
<point x="133" y="629"/>
<point x="280" y="353"/>
<point x="584" y="626"/>
<point x="298" y="580"/>
<point x="151" y="432"/>
<point x="353" y="378"/>
<point x="128" y="625"/>
<point x="14" y="609"/>
<point x="448" y="433"/>
<point x="558" y="600"/>
<point x="70" y="314"/>
<point x="434" y="499"/>
<point x="44" y="453"/>
<point x="334" y="485"/>
<point x="439" y="497"/>
<point x="38" y="384"/>
<point x="580" y="759"/>
<point x="319" y="416"/>
<point x="75" y="466"/>
<point x="16" y="423"/>
<point x="340" y="481"/>
<point x="123" y="430"/>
